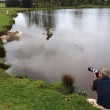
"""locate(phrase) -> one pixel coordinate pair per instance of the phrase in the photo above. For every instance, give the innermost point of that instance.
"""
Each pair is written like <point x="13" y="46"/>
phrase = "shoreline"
<point x="7" y="27"/>
<point x="15" y="14"/>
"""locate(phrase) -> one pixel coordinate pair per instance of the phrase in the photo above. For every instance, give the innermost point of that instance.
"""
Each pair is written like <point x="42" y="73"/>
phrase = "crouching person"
<point x="102" y="87"/>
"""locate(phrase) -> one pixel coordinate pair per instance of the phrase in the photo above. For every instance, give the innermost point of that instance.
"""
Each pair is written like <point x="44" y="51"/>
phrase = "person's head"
<point x="104" y="72"/>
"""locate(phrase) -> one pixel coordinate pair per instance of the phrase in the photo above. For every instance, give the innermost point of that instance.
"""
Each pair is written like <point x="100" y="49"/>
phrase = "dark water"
<point x="81" y="38"/>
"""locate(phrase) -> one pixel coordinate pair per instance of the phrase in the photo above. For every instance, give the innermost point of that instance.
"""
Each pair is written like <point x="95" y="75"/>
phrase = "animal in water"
<point x="49" y="33"/>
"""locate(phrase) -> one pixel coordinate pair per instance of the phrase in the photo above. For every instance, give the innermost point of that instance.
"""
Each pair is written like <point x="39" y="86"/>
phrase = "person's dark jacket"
<point x="102" y="87"/>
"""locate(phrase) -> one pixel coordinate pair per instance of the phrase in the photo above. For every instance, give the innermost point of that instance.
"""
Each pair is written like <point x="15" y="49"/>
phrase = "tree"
<point x="77" y="2"/>
<point x="107" y="2"/>
<point x="100" y="2"/>
<point x="70" y="2"/>
<point x="27" y="3"/>
<point x="12" y="3"/>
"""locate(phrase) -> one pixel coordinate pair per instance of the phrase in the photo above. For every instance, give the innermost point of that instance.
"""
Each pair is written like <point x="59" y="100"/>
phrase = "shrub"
<point x="4" y="66"/>
<point x="69" y="81"/>
<point x="12" y="3"/>
<point x="2" y="51"/>
<point x="1" y="43"/>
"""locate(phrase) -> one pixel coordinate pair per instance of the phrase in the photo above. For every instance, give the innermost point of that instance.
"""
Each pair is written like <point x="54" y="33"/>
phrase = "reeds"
<point x="69" y="81"/>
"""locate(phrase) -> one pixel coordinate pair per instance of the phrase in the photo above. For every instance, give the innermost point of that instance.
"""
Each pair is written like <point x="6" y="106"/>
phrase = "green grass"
<point x="6" y="20"/>
<point x="2" y="4"/>
<point x="24" y="94"/>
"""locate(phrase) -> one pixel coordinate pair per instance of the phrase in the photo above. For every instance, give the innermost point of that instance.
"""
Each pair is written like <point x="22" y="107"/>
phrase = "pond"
<point x="80" y="38"/>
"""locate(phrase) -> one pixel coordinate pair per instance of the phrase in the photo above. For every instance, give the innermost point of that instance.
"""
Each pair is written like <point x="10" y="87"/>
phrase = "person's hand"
<point x="94" y="76"/>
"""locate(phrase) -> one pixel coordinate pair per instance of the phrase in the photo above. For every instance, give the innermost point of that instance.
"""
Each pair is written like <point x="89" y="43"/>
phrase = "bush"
<point x="4" y="66"/>
<point x="12" y="3"/>
<point x="2" y="51"/>
<point x="69" y="81"/>
<point x="1" y="43"/>
<point x="26" y="3"/>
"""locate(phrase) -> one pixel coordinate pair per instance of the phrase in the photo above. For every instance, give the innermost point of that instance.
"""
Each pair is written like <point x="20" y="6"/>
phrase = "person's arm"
<point x="93" y="87"/>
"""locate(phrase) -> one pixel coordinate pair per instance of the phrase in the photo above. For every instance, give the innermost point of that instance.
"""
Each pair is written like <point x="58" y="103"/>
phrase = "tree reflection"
<point x="40" y="18"/>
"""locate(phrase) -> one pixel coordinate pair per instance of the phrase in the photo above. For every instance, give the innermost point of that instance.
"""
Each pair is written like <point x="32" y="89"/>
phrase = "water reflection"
<point x="80" y="38"/>
<point x="40" y="18"/>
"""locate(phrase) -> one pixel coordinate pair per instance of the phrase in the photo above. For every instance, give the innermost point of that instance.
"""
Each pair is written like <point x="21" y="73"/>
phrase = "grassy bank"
<point x="6" y="21"/>
<point x="2" y="5"/>
<point x="24" y="94"/>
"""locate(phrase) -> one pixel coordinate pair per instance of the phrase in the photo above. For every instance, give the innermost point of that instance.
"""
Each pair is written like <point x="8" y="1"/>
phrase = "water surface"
<point x="81" y="38"/>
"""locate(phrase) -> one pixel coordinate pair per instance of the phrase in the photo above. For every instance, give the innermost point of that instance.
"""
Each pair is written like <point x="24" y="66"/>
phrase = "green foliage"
<point x="3" y="76"/>
<point x="5" y="21"/>
<point x="2" y="4"/>
<point x="40" y="84"/>
<point x="2" y="51"/>
<point x="21" y="76"/>
<point x="12" y="3"/>
<point x="53" y="3"/>
<point x="76" y="2"/>
<point x="68" y="80"/>
<point x="1" y="43"/>
<point x="100" y="2"/>
<point x="4" y="66"/>
<point x="26" y="3"/>
<point x="107" y="2"/>
<point x="58" y="86"/>
<point x="65" y="3"/>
